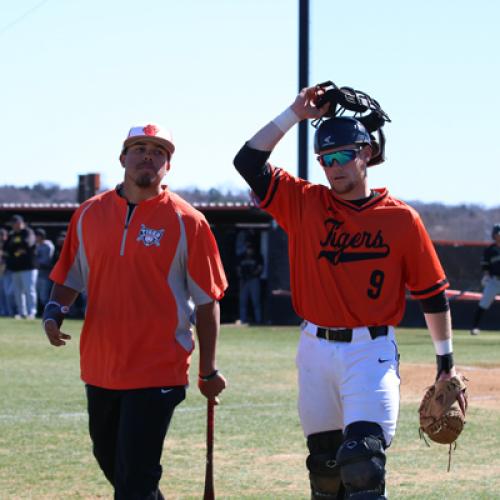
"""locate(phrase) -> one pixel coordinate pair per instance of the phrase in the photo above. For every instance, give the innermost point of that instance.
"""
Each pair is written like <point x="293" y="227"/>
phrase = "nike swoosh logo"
<point x="165" y="391"/>
<point x="380" y="360"/>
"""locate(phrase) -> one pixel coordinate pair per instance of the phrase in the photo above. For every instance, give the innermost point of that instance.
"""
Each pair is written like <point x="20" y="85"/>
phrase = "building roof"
<point x="216" y="212"/>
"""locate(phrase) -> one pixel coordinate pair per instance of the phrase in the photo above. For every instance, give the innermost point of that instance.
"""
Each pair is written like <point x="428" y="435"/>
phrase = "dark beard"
<point x="144" y="181"/>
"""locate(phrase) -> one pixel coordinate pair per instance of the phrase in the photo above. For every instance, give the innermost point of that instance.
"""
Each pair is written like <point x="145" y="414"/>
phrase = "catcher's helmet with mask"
<point x="336" y="129"/>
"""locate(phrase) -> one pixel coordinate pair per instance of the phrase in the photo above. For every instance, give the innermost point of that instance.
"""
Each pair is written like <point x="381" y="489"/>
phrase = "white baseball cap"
<point x="152" y="133"/>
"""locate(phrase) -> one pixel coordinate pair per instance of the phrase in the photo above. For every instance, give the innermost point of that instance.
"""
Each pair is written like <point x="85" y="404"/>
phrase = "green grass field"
<point x="259" y="448"/>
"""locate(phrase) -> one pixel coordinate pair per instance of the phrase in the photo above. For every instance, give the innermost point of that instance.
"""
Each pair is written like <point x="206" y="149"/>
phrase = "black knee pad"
<point x="361" y="459"/>
<point x="324" y="473"/>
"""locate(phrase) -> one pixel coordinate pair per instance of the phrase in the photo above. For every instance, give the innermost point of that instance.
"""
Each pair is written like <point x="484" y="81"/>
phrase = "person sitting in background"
<point x="249" y="269"/>
<point x="20" y="260"/>
<point x="490" y="264"/>
<point x="44" y="253"/>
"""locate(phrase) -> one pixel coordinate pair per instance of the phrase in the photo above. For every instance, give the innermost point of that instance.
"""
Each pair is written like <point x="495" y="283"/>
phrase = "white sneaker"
<point x="475" y="331"/>
<point x="31" y="316"/>
<point x="18" y="316"/>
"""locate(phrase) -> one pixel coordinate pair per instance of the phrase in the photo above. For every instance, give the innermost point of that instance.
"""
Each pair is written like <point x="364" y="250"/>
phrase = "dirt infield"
<point x="483" y="383"/>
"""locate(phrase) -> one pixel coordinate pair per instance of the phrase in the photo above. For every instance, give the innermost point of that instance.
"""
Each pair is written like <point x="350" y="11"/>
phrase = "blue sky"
<point x="77" y="74"/>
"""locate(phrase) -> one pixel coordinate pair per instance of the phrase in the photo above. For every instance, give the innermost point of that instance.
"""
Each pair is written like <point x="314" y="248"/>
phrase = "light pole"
<point x="303" y="82"/>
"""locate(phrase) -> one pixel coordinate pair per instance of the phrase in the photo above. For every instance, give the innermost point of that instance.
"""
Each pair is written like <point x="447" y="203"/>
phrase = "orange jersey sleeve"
<point x="285" y="198"/>
<point x="350" y="265"/>
<point x="424" y="275"/>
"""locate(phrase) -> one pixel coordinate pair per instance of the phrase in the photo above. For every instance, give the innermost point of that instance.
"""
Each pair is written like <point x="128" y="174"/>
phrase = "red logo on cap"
<point x="151" y="130"/>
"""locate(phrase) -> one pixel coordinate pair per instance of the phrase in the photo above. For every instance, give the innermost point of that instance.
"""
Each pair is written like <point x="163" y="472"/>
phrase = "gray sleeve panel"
<point x="177" y="282"/>
<point x="78" y="273"/>
<point x="198" y="295"/>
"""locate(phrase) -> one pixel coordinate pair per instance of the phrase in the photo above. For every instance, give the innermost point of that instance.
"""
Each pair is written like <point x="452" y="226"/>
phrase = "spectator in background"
<point x="20" y="260"/>
<point x="77" y="309"/>
<point x="242" y="238"/>
<point x="44" y="254"/>
<point x="490" y="265"/>
<point x="249" y="269"/>
<point x="6" y="303"/>
<point x="58" y="246"/>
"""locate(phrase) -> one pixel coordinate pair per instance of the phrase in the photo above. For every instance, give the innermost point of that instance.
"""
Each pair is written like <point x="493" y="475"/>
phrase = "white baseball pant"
<point x="345" y="382"/>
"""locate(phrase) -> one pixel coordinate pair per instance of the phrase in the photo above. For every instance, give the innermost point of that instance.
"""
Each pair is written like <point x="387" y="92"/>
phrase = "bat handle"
<point x="209" y="467"/>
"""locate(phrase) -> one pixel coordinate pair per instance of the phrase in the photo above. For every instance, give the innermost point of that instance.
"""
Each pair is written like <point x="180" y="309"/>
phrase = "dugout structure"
<point x="235" y="223"/>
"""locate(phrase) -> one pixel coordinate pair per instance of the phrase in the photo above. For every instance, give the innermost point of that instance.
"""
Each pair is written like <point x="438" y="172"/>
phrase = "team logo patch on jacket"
<point x="150" y="236"/>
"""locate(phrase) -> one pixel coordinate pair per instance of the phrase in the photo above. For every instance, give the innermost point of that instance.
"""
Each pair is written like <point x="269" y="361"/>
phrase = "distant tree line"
<point x="38" y="193"/>
<point x="444" y="222"/>
<point x="53" y="193"/>
<point x="457" y="222"/>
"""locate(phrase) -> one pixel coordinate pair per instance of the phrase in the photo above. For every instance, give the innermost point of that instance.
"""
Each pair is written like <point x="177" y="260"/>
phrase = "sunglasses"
<point x="341" y="157"/>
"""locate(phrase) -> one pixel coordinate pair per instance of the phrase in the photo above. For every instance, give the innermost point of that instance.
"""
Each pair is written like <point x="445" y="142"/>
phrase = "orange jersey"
<point x="350" y="265"/>
<point x="142" y="274"/>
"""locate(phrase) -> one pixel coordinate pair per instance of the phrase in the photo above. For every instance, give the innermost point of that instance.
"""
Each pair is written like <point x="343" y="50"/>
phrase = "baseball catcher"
<point x="353" y="253"/>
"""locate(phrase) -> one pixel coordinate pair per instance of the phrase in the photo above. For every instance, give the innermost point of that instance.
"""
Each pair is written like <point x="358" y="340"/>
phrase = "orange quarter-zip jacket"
<point x="144" y="268"/>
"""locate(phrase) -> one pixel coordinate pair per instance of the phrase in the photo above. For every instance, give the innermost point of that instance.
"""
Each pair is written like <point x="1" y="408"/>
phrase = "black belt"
<point x="345" y="335"/>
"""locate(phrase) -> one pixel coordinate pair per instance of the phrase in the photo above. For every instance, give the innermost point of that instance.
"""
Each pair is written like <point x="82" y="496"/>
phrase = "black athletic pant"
<point x="127" y="428"/>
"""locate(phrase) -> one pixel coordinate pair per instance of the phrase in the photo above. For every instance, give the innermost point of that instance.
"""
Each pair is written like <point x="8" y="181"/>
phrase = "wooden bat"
<point x="209" y="466"/>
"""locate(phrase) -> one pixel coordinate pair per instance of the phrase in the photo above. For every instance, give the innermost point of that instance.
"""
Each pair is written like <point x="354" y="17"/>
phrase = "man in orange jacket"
<point x="149" y="264"/>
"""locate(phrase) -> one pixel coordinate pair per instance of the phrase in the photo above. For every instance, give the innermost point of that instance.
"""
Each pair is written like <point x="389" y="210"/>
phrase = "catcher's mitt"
<point x="441" y="417"/>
